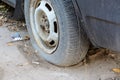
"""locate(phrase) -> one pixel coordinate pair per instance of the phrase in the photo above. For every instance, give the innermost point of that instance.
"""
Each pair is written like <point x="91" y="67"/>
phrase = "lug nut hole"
<point x="52" y="42"/>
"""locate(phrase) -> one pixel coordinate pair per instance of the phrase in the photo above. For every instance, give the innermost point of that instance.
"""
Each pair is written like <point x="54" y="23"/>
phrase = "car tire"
<point x="71" y="44"/>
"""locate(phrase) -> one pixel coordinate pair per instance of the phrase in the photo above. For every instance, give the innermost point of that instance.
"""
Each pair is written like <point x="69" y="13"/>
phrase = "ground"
<point x="19" y="61"/>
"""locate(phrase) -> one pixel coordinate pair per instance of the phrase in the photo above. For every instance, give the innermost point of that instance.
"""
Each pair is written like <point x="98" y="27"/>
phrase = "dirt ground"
<point x="19" y="61"/>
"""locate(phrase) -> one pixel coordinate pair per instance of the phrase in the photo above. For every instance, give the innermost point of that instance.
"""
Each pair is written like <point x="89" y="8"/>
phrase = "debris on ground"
<point x="94" y="54"/>
<point x="116" y="70"/>
<point x="16" y="36"/>
<point x="17" y="41"/>
<point x="10" y="44"/>
<point x="26" y="37"/>
<point x="114" y="78"/>
<point x="35" y="62"/>
<point x="25" y="64"/>
<point x="0" y="23"/>
<point x="5" y="13"/>
<point x="2" y="6"/>
<point x="19" y="37"/>
<point x="17" y="26"/>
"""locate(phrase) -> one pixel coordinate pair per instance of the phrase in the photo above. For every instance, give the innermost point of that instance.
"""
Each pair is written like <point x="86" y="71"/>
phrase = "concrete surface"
<point x="20" y="63"/>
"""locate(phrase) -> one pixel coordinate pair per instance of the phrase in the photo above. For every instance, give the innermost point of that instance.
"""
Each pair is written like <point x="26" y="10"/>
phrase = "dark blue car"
<point x="61" y="30"/>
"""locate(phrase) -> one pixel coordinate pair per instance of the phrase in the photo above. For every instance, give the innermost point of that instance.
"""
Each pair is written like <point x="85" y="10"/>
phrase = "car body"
<point x="102" y="19"/>
<point x="10" y="2"/>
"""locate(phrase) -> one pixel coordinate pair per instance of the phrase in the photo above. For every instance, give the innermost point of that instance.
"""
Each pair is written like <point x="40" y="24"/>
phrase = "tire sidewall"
<point x="61" y="55"/>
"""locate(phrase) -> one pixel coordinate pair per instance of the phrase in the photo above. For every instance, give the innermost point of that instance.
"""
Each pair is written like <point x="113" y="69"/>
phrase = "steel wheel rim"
<point x="45" y="26"/>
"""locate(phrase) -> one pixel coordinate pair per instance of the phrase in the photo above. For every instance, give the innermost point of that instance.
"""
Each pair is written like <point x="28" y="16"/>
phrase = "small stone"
<point x="35" y="62"/>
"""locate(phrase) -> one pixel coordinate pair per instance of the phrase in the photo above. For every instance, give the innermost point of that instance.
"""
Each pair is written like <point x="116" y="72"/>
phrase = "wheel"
<point x="54" y="31"/>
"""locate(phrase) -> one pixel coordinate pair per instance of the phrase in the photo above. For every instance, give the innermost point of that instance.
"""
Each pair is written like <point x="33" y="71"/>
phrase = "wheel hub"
<point x="46" y="27"/>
